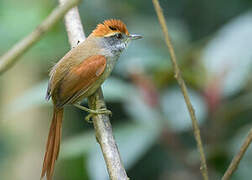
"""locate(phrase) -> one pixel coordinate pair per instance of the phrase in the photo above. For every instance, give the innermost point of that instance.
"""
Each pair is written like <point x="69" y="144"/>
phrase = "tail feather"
<point x="53" y="144"/>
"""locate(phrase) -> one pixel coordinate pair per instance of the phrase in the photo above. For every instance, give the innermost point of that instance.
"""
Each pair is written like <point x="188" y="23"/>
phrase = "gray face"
<point x="117" y="42"/>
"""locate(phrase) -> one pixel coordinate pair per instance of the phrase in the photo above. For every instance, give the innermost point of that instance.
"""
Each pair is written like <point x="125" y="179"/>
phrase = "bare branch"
<point x="106" y="140"/>
<point x="236" y="160"/>
<point x="102" y="124"/>
<point x="183" y="88"/>
<point x="9" y="58"/>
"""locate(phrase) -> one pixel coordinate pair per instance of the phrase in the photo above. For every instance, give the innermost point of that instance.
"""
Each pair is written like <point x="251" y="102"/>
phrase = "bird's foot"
<point x="95" y="112"/>
<point x="92" y="112"/>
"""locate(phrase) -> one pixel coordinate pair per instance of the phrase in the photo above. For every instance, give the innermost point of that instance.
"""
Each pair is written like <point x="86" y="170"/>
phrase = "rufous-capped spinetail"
<point x="79" y="74"/>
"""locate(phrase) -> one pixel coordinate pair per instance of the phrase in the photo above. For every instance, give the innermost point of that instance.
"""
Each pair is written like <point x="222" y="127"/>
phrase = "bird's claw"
<point x="96" y="112"/>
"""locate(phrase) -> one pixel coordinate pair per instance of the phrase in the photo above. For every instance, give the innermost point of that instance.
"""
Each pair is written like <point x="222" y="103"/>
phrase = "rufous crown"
<point x="109" y="28"/>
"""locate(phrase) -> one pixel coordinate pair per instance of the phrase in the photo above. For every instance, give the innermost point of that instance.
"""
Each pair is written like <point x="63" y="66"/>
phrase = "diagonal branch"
<point x="236" y="160"/>
<point x="183" y="88"/>
<point x="10" y="57"/>
<point x="102" y="124"/>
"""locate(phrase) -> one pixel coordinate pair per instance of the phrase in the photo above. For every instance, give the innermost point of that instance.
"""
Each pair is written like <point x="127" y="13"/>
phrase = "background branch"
<point x="183" y="88"/>
<point x="236" y="160"/>
<point x="9" y="58"/>
<point x="101" y="123"/>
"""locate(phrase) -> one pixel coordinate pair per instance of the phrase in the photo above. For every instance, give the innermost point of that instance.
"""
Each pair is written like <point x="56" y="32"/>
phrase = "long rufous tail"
<point x="53" y="144"/>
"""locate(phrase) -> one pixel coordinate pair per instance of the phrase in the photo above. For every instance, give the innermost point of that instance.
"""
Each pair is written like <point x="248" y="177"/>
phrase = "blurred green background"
<point x="213" y="41"/>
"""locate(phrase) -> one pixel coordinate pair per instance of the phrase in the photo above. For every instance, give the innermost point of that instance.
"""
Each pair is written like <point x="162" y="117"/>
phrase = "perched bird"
<point x="79" y="74"/>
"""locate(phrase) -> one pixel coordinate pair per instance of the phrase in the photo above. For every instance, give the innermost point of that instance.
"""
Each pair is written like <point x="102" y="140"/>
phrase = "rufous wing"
<point x="79" y="79"/>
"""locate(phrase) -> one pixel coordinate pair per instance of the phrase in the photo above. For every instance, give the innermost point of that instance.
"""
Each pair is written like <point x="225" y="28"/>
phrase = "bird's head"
<point x="115" y="34"/>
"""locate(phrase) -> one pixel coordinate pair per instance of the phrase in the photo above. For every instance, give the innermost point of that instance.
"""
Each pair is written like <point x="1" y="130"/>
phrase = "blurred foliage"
<point x="151" y="124"/>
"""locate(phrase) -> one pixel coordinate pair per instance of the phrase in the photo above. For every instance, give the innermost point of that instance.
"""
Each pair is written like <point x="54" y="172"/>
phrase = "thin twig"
<point x="101" y="123"/>
<point x="10" y="57"/>
<point x="236" y="160"/>
<point x="183" y="88"/>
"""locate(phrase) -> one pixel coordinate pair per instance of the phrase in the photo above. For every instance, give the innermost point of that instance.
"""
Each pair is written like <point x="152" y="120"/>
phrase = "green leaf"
<point x="78" y="145"/>
<point x="228" y="55"/>
<point x="175" y="109"/>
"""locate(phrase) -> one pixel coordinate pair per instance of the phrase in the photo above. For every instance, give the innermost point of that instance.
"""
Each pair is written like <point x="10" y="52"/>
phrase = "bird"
<point x="78" y="74"/>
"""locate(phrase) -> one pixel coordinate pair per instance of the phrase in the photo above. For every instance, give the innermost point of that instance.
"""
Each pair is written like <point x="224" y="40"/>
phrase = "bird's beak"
<point x="135" y="36"/>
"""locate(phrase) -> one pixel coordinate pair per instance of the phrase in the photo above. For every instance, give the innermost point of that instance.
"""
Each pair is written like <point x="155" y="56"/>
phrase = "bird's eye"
<point x="119" y="36"/>
<point x="112" y="28"/>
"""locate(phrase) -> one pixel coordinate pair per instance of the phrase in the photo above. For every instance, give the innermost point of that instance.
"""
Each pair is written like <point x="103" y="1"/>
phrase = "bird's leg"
<point x="92" y="112"/>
